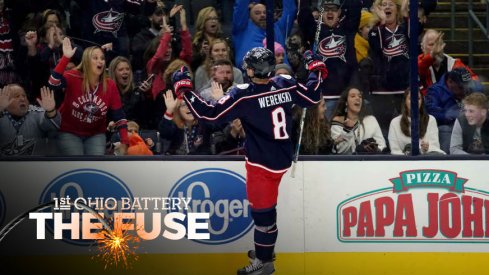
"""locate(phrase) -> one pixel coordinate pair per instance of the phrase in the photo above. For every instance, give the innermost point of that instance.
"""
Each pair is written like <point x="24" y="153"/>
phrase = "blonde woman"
<point x="207" y="28"/>
<point x="89" y="98"/>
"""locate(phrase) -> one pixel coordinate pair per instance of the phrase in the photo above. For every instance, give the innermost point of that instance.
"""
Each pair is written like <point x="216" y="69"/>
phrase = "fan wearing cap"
<point x="433" y="62"/>
<point x="264" y="107"/>
<point x="249" y="24"/>
<point x="335" y="44"/>
<point x="444" y="101"/>
<point x="470" y="133"/>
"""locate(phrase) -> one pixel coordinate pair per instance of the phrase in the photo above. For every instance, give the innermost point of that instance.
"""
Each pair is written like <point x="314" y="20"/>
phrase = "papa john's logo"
<point x="222" y="194"/>
<point x="421" y="206"/>
<point x="84" y="183"/>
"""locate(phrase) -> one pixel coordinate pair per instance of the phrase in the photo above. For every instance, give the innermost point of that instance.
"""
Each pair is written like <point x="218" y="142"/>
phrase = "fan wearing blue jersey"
<point x="264" y="107"/>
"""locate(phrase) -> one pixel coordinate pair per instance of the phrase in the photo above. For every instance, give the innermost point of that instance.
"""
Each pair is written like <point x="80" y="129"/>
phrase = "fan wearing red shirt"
<point x="90" y="98"/>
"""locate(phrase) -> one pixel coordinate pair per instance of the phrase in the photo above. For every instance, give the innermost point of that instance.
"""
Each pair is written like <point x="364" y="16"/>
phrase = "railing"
<point x="473" y="18"/>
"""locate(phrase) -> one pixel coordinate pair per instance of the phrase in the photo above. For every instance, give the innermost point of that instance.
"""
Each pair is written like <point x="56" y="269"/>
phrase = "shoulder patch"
<point x="243" y="86"/>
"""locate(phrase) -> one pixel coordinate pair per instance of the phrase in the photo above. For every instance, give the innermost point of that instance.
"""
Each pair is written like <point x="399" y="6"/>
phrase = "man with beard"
<point x="24" y="127"/>
<point x="144" y="37"/>
<point x="249" y="24"/>
<point x="221" y="82"/>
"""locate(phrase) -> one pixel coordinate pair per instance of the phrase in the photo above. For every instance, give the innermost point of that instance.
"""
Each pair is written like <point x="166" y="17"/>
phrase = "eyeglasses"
<point x="212" y="18"/>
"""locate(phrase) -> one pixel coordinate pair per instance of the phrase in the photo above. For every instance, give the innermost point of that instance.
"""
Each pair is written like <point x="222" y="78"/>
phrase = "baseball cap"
<point x="462" y="77"/>
<point x="331" y="2"/>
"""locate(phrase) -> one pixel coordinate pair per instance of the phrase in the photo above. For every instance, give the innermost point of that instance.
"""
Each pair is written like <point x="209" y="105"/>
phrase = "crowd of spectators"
<point x="93" y="77"/>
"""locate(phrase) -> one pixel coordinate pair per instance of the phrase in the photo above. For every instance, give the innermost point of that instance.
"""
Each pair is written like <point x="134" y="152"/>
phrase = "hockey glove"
<point x="182" y="81"/>
<point x="313" y="64"/>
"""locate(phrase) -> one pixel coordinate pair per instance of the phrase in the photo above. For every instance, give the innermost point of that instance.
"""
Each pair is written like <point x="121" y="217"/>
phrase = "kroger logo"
<point x="83" y="183"/>
<point x="222" y="194"/>
<point x="3" y="208"/>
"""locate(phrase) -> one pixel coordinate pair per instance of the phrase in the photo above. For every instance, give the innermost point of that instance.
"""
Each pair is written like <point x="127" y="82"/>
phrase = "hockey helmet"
<point x="261" y="61"/>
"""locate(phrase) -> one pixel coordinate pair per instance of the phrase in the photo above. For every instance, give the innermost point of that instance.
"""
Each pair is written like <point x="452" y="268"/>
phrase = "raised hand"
<point x="377" y="9"/>
<point x="170" y="102"/>
<point x="439" y="45"/>
<point x="51" y="36"/>
<point x="68" y="50"/>
<point x="216" y="90"/>
<point x="5" y="99"/>
<point x="313" y="64"/>
<point x="47" y="101"/>
<point x="31" y="38"/>
<point x="165" y="28"/>
<point x="175" y="9"/>
<point x="107" y="47"/>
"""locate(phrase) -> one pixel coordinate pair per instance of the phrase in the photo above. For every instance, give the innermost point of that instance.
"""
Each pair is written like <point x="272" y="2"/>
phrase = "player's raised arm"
<point x="310" y="93"/>
<point x="223" y="109"/>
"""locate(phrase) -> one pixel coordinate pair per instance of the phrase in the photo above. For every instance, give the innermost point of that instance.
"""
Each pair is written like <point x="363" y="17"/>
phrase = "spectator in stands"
<point x="207" y="28"/>
<point x="9" y="49"/>
<point x="186" y="134"/>
<point x="103" y="22"/>
<point x="143" y="38"/>
<point x="218" y="50"/>
<point x="352" y="129"/>
<point x="295" y="51"/>
<point x="433" y="63"/>
<point x="89" y="98"/>
<point x="163" y="54"/>
<point x="316" y="135"/>
<point x="249" y="23"/>
<point x="444" y="100"/>
<point x="400" y="129"/>
<point x="278" y="50"/>
<point x="137" y="145"/>
<point x="222" y="80"/>
<point x="471" y="129"/>
<point x="25" y="128"/>
<point x="335" y="44"/>
<point x="389" y="44"/>
<point x="51" y="17"/>
<point x="137" y="101"/>
<point x="159" y="106"/>
<point x="283" y="69"/>
<point x="361" y="38"/>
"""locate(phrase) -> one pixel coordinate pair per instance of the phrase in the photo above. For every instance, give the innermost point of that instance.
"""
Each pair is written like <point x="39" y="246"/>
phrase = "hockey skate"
<point x="257" y="267"/>
<point x="252" y="256"/>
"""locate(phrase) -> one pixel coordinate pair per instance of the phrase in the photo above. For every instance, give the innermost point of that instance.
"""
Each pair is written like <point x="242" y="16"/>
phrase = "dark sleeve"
<point x="352" y="10"/>
<point x="307" y="24"/>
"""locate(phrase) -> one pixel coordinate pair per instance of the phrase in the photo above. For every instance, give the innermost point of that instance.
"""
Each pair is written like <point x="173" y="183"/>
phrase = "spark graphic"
<point x="117" y="246"/>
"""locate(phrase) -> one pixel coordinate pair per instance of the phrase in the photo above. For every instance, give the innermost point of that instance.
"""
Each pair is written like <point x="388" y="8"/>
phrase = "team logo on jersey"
<point x="396" y="46"/>
<point x="333" y="46"/>
<point x="87" y="184"/>
<point x="108" y="21"/>
<point x="18" y="147"/>
<point x="222" y="194"/>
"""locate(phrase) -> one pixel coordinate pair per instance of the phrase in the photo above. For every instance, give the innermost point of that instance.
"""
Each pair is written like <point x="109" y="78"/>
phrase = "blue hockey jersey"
<point x="265" y="111"/>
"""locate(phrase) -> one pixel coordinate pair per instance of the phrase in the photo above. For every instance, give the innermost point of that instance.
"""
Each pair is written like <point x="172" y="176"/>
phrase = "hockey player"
<point x="264" y="107"/>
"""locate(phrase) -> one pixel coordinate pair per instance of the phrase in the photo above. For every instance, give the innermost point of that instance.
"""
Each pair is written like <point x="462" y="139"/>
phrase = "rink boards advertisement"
<point x="330" y="213"/>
